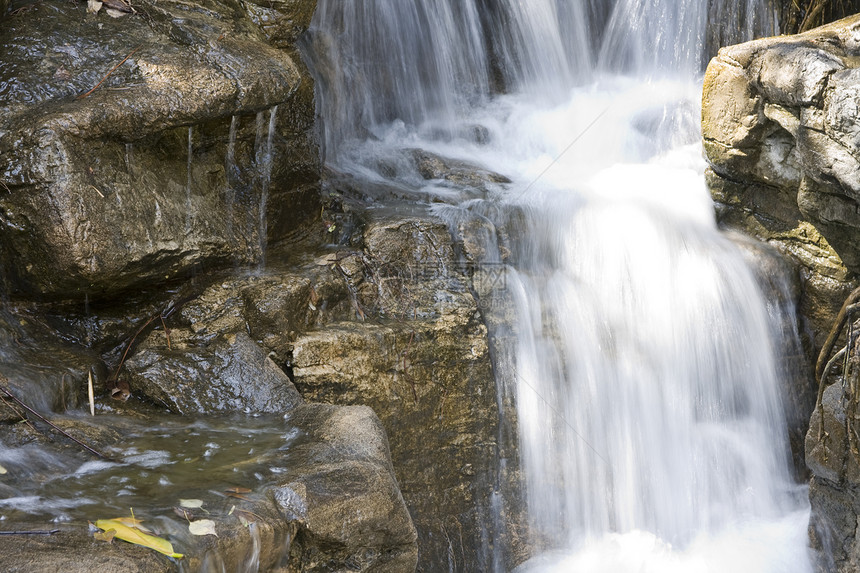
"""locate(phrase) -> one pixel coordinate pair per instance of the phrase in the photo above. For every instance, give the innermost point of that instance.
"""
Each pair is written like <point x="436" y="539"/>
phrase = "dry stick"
<point x="166" y="332"/>
<point x="60" y="430"/>
<point x="110" y="72"/>
<point x="811" y="15"/>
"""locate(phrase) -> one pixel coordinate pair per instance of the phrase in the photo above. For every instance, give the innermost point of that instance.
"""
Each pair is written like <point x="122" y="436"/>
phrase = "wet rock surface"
<point x="162" y="168"/>
<point x="389" y="323"/>
<point x="384" y="320"/>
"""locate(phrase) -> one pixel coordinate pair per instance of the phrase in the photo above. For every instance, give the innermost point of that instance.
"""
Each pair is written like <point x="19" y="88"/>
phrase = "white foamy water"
<point x="645" y="366"/>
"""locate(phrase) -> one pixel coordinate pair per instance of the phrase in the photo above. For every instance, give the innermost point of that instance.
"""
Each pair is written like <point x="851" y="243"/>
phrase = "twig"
<point x="130" y="344"/>
<point x="166" y="331"/>
<point x="44" y="419"/>
<point x="110" y="72"/>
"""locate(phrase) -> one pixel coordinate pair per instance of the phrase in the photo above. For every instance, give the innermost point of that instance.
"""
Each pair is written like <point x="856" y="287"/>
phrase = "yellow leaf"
<point x="136" y="536"/>
<point x="133" y="522"/>
<point x="106" y="535"/>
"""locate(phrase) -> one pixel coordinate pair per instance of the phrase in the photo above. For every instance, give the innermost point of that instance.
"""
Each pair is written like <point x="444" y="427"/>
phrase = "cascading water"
<point x="644" y="371"/>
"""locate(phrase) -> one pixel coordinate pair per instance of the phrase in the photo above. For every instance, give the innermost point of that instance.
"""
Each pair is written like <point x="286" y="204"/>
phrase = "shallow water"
<point x="155" y="464"/>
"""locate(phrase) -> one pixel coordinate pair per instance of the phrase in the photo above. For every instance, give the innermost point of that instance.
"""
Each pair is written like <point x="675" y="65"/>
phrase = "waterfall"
<point x="644" y="367"/>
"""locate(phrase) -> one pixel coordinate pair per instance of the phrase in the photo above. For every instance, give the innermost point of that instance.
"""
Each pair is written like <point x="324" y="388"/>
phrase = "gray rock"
<point x="75" y="551"/>
<point x="342" y="492"/>
<point x="421" y="360"/>
<point x="229" y="374"/>
<point x="781" y="112"/>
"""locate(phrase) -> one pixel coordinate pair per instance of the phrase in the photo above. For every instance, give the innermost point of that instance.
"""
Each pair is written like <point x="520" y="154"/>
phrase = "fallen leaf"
<point x="246" y="517"/>
<point x="93" y="6"/>
<point x="3" y="470"/>
<point x="106" y="535"/>
<point x="120" y="390"/>
<point x="237" y="490"/>
<point x="133" y="522"/>
<point x="137" y="537"/>
<point x="202" y="527"/>
<point x="191" y="503"/>
<point x="119" y="6"/>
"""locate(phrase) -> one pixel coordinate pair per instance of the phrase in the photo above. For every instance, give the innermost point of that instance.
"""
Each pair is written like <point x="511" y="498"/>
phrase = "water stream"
<point x="644" y="363"/>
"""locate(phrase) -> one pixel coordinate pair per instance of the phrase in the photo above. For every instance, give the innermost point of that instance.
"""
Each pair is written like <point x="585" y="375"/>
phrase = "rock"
<point x="779" y="124"/>
<point x="389" y="323"/>
<point x="421" y="360"/>
<point x="161" y="169"/>
<point x="832" y="525"/>
<point x="342" y="492"/>
<point x="461" y="173"/>
<point x="230" y="374"/>
<point x="75" y="551"/>
<point x="283" y="21"/>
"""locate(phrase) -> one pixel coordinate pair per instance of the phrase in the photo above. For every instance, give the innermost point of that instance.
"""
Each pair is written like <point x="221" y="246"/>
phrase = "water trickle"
<point x="129" y="155"/>
<point x="188" y="206"/>
<point x="230" y="175"/>
<point x="643" y="358"/>
<point x="265" y="167"/>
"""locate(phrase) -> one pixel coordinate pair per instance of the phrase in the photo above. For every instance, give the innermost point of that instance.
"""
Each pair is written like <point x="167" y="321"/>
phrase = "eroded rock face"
<point x="778" y="122"/>
<point x="162" y="168"/>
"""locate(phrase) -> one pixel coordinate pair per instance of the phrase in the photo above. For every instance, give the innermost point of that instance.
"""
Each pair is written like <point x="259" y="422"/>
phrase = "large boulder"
<point x="778" y="122"/>
<point x="139" y="148"/>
